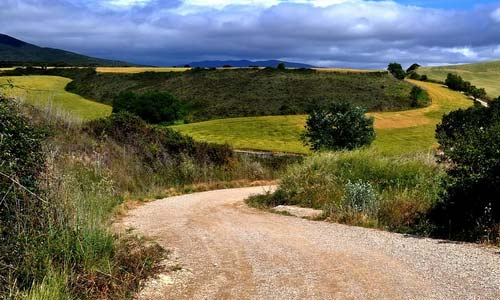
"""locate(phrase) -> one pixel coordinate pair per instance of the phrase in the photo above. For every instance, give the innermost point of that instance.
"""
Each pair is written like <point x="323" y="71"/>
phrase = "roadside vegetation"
<point x="363" y="188"/>
<point x="64" y="181"/>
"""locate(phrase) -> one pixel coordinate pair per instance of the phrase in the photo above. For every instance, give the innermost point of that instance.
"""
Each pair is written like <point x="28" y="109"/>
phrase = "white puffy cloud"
<point x="496" y="15"/>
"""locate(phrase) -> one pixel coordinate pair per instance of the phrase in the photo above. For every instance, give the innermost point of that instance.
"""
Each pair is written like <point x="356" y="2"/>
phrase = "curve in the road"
<point x="231" y="251"/>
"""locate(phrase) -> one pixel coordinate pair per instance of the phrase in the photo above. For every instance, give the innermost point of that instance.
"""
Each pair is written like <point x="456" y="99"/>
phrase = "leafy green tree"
<point x="281" y="66"/>
<point x="412" y="68"/>
<point x="339" y="127"/>
<point x="396" y="70"/>
<point x="153" y="107"/>
<point x="470" y="141"/>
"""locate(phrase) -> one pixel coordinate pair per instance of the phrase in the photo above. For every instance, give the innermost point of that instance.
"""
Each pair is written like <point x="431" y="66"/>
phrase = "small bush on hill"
<point x="153" y="107"/>
<point x="396" y="70"/>
<point x="470" y="140"/>
<point x="281" y="66"/>
<point x="420" y="97"/>
<point x="339" y="127"/>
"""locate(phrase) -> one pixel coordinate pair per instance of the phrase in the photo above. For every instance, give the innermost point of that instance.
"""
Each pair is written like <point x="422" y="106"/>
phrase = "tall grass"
<point x="396" y="191"/>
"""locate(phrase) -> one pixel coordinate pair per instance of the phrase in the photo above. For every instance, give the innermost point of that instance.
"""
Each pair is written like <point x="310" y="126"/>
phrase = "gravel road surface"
<point x="230" y="251"/>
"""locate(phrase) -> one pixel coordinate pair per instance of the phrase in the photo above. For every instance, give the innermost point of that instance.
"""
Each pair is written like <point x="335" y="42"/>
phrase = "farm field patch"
<point x="397" y="132"/>
<point x="48" y="92"/>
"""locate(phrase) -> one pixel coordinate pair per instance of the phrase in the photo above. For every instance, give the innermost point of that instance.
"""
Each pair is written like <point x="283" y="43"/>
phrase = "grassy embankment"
<point x="397" y="132"/>
<point x="47" y="92"/>
<point x="484" y="75"/>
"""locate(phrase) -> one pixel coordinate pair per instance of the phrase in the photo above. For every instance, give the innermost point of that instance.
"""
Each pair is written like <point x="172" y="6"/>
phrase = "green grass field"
<point x="397" y="132"/>
<point x="48" y="92"/>
<point x="484" y="75"/>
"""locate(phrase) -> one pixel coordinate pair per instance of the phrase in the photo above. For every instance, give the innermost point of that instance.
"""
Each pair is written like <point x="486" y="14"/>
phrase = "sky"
<point x="329" y="33"/>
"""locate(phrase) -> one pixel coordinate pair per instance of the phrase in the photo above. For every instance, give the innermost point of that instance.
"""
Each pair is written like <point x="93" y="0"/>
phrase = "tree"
<point x="470" y="140"/>
<point x="412" y="68"/>
<point x="153" y="107"/>
<point x="339" y="127"/>
<point x="396" y="70"/>
<point x="455" y="82"/>
<point x="281" y="66"/>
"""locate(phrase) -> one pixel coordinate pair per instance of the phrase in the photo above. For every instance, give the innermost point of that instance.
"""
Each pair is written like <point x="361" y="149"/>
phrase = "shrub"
<point x="396" y="70"/>
<point x="470" y="140"/>
<point x="360" y="197"/>
<point x="419" y="96"/>
<point x="157" y="144"/>
<point x="281" y="66"/>
<point x="153" y="107"/>
<point x="22" y="210"/>
<point x="424" y="78"/>
<point x="340" y="127"/>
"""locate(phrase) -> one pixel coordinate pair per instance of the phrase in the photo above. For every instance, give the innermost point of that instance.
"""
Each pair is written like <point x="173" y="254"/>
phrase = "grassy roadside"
<point x="397" y="132"/>
<point x="49" y="92"/>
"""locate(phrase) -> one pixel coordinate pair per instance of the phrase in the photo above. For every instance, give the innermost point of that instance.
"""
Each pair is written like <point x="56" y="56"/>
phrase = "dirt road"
<point x="230" y="251"/>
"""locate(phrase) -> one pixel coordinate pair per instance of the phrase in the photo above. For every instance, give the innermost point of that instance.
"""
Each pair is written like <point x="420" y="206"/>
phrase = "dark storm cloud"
<point x="346" y="33"/>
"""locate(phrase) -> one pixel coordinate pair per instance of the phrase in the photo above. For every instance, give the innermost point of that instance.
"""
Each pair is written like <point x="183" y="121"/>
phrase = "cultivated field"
<point x="48" y="92"/>
<point x="483" y="75"/>
<point x="133" y="70"/>
<point x="397" y="132"/>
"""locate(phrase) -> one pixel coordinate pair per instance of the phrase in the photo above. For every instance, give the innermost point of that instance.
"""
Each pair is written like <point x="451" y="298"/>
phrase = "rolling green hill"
<point x="17" y="52"/>
<point x="216" y="94"/>
<point x="483" y="75"/>
<point x="397" y="133"/>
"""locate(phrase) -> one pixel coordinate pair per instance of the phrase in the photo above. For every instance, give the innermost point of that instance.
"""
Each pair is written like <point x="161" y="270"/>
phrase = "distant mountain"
<point x="14" y="51"/>
<point x="245" y="63"/>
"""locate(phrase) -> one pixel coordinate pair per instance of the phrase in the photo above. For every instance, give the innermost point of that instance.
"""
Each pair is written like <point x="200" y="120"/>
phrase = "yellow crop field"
<point x="47" y="92"/>
<point x="138" y="69"/>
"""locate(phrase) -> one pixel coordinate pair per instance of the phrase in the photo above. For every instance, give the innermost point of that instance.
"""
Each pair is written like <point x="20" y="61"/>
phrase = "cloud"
<point x="347" y="33"/>
<point x="496" y="15"/>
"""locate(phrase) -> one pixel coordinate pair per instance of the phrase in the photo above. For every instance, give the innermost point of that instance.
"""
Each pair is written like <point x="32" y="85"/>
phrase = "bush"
<point x="153" y="107"/>
<point x="281" y="66"/>
<point x="424" y="78"/>
<point x="360" y="197"/>
<point x="470" y="140"/>
<point x="396" y="70"/>
<point x="157" y="144"/>
<point x="419" y="96"/>
<point x="22" y="210"/>
<point x="340" y="127"/>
